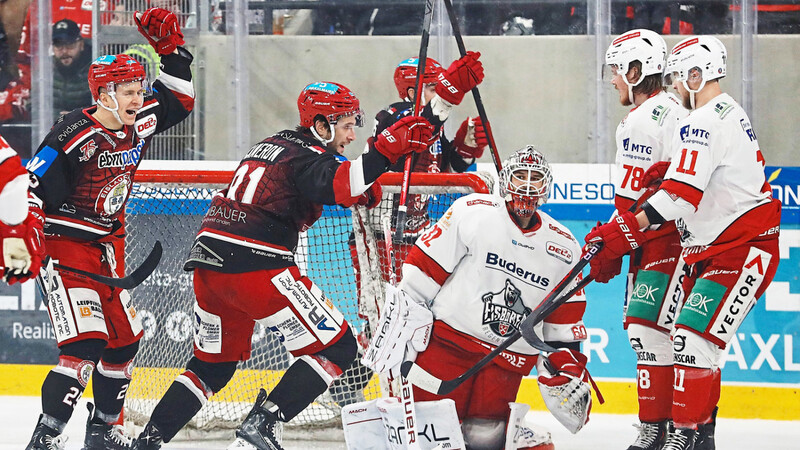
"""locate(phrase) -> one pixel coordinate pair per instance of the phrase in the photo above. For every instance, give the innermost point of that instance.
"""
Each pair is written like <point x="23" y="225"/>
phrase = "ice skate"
<point x="46" y="437"/>
<point x="539" y="439"/>
<point x="260" y="430"/>
<point x="102" y="436"/>
<point x="149" y="439"/>
<point x="652" y="436"/>
<point x="680" y="439"/>
<point x="705" y="434"/>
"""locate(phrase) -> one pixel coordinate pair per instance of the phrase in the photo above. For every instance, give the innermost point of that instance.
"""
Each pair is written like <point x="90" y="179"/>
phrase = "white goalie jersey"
<point x="643" y="138"/>
<point x="482" y="275"/>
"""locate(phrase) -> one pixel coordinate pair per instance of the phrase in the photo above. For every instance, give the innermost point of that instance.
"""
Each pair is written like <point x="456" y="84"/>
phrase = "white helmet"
<point x="645" y="46"/>
<point x="525" y="181"/>
<point x="705" y="53"/>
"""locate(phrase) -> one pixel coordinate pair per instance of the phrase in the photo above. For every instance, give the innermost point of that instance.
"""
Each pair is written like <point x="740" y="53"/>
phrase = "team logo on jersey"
<point x="503" y="311"/>
<point x="113" y="195"/>
<point x="87" y="151"/>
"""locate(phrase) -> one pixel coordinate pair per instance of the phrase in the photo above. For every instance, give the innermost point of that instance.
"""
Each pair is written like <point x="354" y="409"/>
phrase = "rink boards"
<point x="761" y="367"/>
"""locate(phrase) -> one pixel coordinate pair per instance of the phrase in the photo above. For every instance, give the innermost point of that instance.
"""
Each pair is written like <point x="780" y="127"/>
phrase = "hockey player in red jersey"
<point x="82" y="175"/>
<point x="473" y="290"/>
<point x="245" y="271"/>
<point x="21" y="235"/>
<point x="636" y="60"/>
<point x="716" y="192"/>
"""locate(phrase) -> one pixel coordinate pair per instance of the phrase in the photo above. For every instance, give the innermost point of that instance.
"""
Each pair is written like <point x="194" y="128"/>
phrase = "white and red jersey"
<point x="643" y="139"/>
<point x="718" y="168"/>
<point x="482" y="275"/>
<point x="13" y="186"/>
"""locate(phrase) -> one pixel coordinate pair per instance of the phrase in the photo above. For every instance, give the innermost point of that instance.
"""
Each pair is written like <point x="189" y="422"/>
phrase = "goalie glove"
<point x="404" y="329"/>
<point x="566" y="387"/>
<point x="23" y="247"/>
<point x="160" y="27"/>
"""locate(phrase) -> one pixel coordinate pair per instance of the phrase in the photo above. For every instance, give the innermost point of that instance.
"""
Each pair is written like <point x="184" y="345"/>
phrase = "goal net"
<point x="344" y="253"/>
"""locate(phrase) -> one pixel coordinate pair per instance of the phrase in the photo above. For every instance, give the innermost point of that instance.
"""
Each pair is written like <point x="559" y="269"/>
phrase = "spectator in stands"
<point x="72" y="57"/>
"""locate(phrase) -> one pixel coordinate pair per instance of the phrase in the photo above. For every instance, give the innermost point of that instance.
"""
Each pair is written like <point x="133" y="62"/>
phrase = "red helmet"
<point x="405" y="75"/>
<point x="331" y="100"/>
<point x="110" y="70"/>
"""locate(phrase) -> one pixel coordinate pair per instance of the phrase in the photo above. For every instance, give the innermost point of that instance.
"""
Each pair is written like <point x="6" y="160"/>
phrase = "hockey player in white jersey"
<point x="21" y="235"/>
<point x="716" y="192"/>
<point x="468" y="283"/>
<point x="636" y="60"/>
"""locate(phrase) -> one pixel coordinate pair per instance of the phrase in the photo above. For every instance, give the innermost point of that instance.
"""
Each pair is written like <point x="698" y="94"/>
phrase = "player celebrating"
<point x="244" y="267"/>
<point x="474" y="288"/>
<point x="716" y="191"/>
<point x="637" y="59"/>
<point x="21" y="235"/>
<point x="82" y="175"/>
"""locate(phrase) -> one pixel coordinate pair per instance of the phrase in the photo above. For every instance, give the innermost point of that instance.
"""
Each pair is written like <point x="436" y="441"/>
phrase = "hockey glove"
<point x="463" y="75"/>
<point x="620" y="235"/>
<point x="404" y="329"/>
<point x="160" y="27"/>
<point x="372" y="197"/>
<point x="603" y="269"/>
<point x="470" y="140"/>
<point x="23" y="248"/>
<point x="409" y="134"/>
<point x="566" y="387"/>
<point x="654" y="175"/>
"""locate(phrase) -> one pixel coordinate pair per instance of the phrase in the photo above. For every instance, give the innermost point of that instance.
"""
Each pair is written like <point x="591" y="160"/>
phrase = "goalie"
<point x="467" y="285"/>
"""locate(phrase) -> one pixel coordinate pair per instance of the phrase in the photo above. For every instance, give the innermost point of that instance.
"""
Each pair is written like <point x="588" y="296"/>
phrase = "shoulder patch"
<point x="723" y="109"/>
<point x="564" y="233"/>
<point x="480" y="201"/>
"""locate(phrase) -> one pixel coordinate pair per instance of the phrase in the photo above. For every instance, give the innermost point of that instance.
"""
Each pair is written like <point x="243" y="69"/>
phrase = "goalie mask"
<point x="642" y="45"/>
<point x="112" y="71"/>
<point x="330" y="100"/>
<point x="525" y="181"/>
<point x="405" y="75"/>
<point x="704" y="53"/>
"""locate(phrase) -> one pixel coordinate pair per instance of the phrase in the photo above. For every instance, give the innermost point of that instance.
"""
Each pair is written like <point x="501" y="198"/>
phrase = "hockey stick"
<point x="134" y="279"/>
<point x="448" y="4"/>
<point x="402" y="209"/>
<point x="420" y="377"/>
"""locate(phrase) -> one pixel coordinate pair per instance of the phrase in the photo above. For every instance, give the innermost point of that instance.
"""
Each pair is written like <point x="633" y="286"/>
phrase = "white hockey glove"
<point x="404" y="325"/>
<point x="565" y="387"/>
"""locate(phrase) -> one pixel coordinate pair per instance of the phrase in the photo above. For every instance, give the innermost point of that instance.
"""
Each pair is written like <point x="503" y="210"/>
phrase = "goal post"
<point x="167" y="203"/>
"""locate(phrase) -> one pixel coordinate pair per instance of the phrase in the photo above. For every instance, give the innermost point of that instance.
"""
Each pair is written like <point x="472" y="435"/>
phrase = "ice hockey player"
<point x="464" y="291"/>
<point x="21" y="231"/>
<point x="81" y="176"/>
<point x="716" y="192"/>
<point x="442" y="155"/>
<point x="636" y="60"/>
<point x="245" y="272"/>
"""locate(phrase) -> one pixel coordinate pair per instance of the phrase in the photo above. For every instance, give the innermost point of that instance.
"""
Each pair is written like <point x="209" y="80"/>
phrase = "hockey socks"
<point x="696" y="394"/>
<point x="298" y="387"/>
<point x="110" y="384"/>
<point x="63" y="387"/>
<point x="180" y="403"/>
<point x="655" y="392"/>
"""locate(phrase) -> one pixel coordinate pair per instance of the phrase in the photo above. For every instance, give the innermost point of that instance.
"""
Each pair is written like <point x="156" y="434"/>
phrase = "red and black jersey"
<point x="83" y="172"/>
<point x="440" y="157"/>
<point x="277" y="192"/>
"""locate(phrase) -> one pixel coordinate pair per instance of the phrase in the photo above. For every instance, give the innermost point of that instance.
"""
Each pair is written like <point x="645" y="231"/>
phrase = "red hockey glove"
<point x="620" y="235"/>
<point x="604" y="269"/>
<point x="463" y="75"/>
<point x="470" y="140"/>
<point x="655" y="174"/>
<point x="409" y="134"/>
<point x="160" y="27"/>
<point x="23" y="248"/>
<point x="372" y="197"/>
